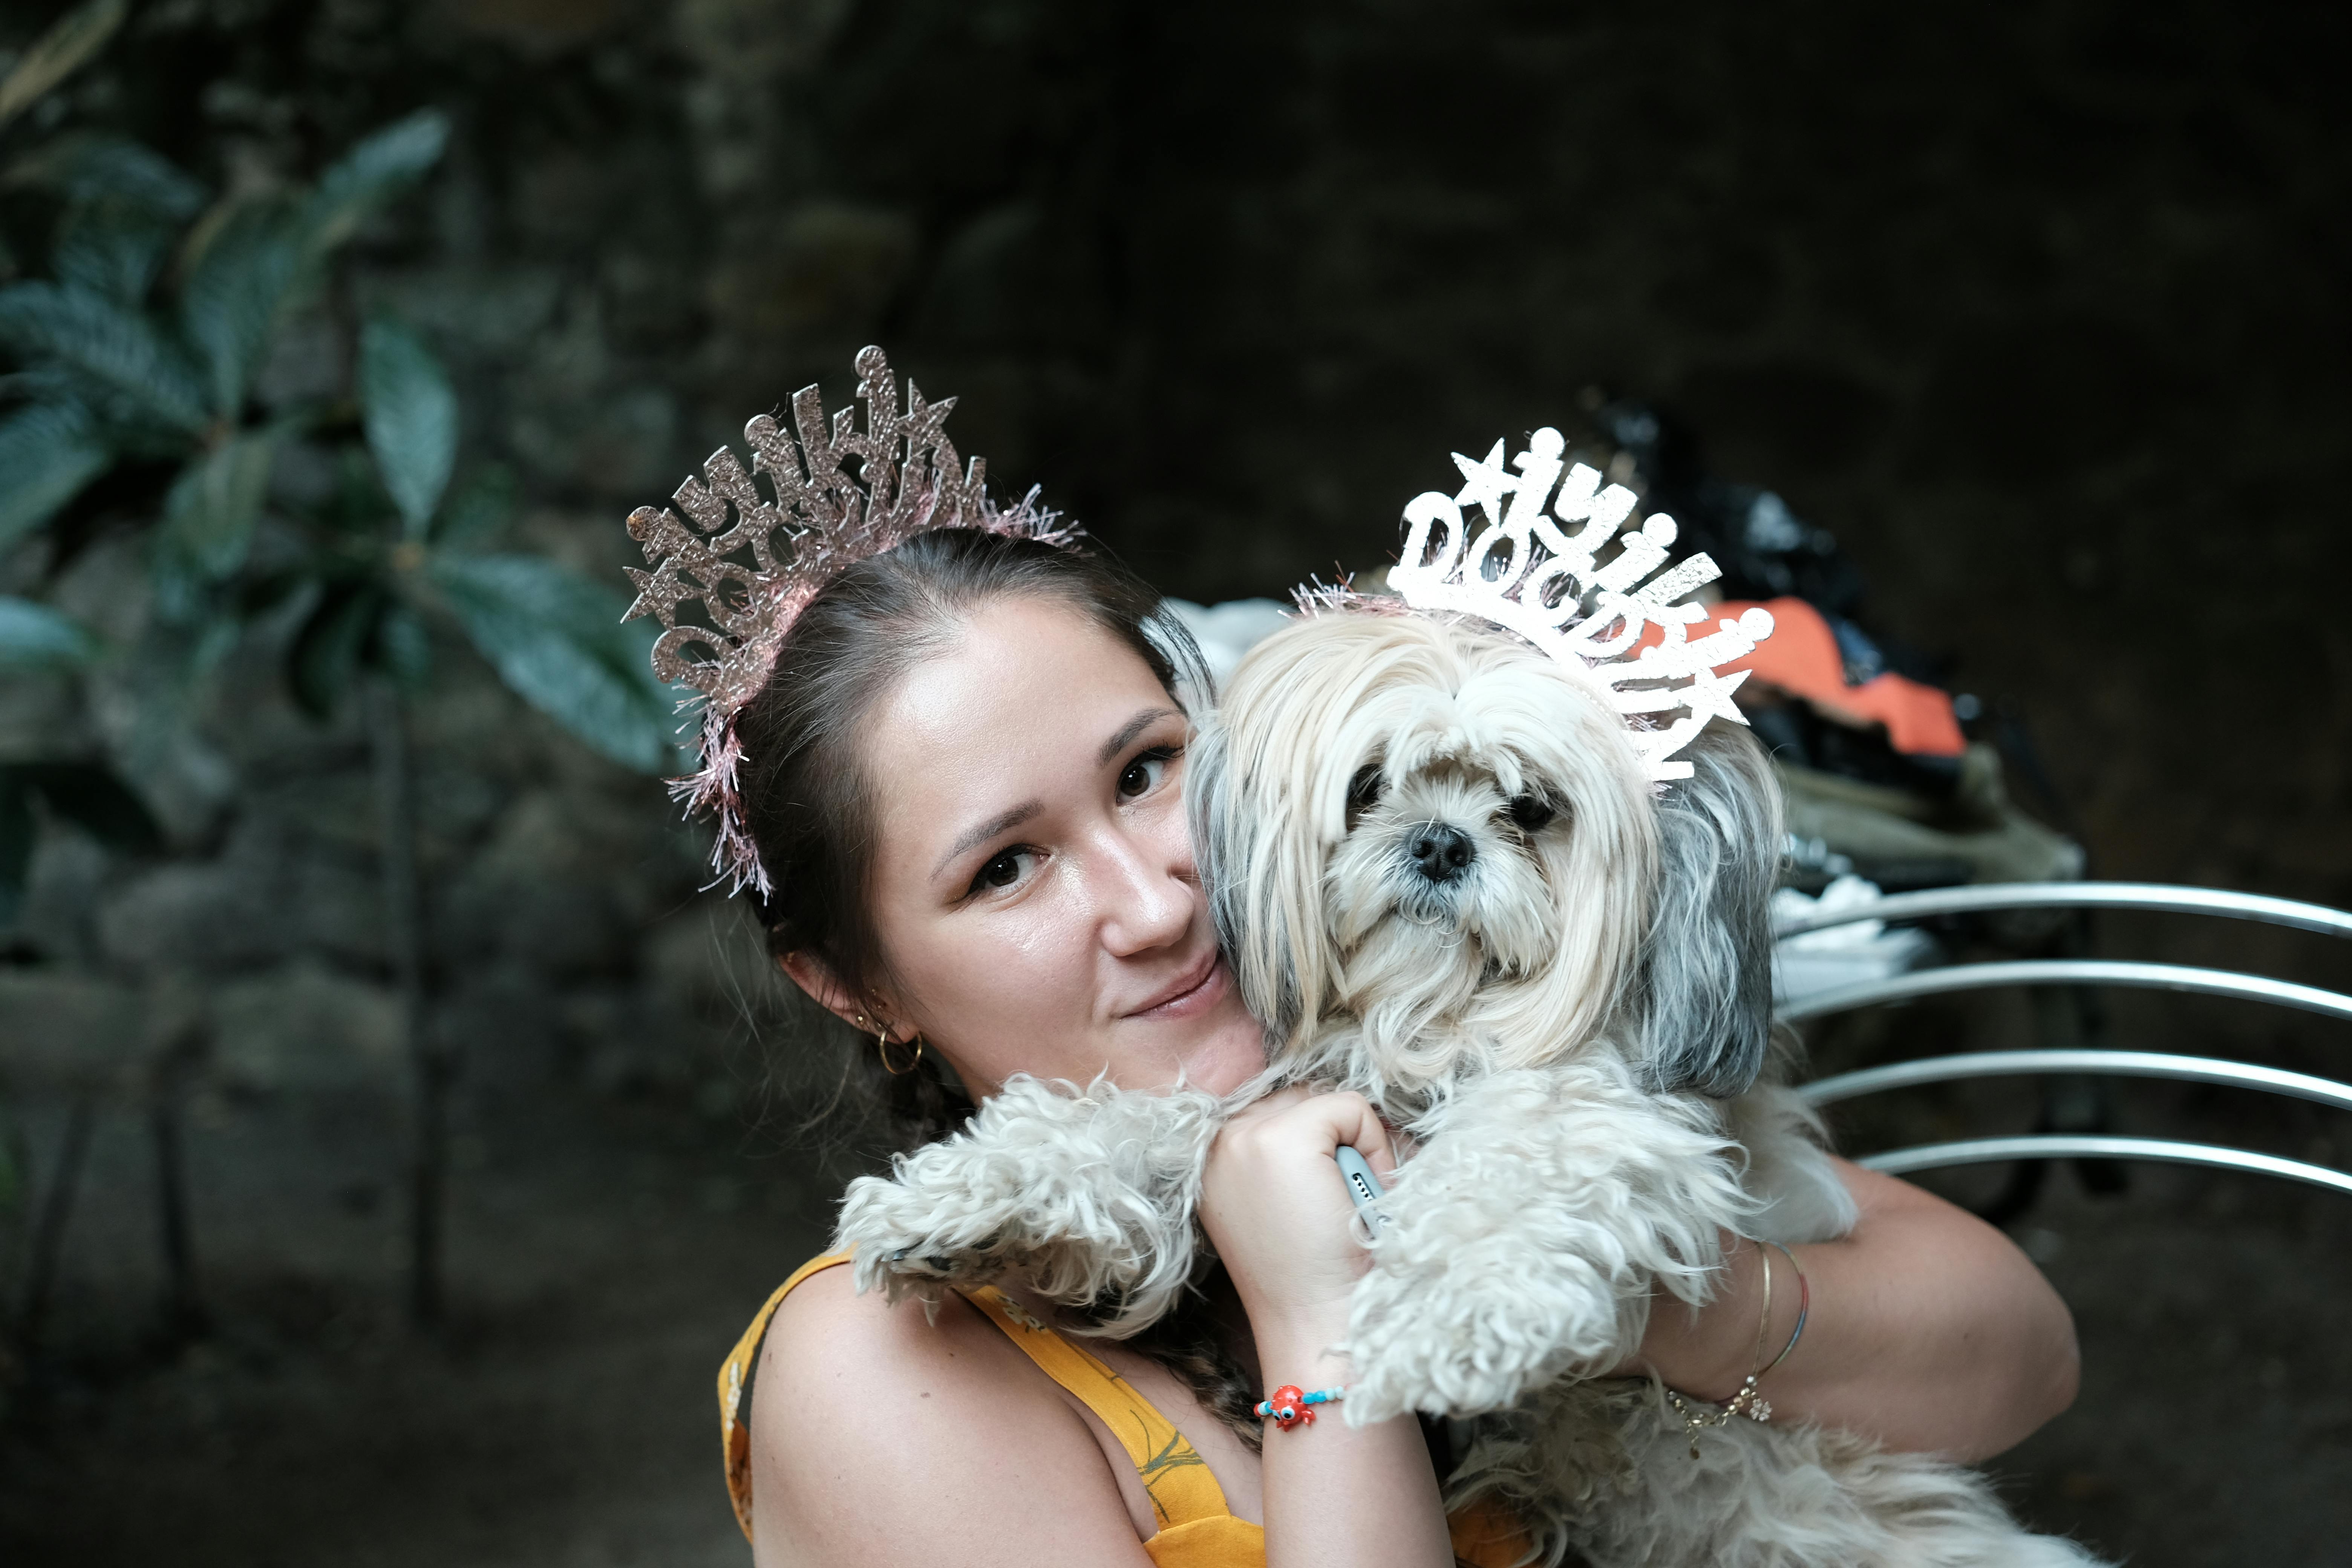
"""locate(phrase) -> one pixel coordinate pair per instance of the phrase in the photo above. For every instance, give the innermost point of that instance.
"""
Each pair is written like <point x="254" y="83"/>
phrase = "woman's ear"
<point x="815" y="977"/>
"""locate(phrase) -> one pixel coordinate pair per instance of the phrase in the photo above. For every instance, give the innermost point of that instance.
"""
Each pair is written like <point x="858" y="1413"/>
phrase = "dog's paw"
<point x="1525" y="1238"/>
<point x="1087" y="1196"/>
<point x="1454" y="1341"/>
<point x="907" y="1243"/>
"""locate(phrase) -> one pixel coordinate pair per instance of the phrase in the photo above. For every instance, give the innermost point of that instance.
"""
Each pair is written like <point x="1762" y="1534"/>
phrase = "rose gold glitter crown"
<point x="751" y="591"/>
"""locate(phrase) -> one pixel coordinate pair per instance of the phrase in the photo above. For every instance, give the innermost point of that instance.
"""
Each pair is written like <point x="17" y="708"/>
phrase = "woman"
<point x="963" y="783"/>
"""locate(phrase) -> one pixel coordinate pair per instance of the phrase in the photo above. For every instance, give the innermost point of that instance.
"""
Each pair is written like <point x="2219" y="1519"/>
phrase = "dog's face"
<point x="1430" y="828"/>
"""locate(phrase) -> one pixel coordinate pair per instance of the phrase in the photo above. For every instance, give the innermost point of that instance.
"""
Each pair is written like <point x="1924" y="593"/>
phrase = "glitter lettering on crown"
<point x="1525" y="572"/>
<point x="753" y="563"/>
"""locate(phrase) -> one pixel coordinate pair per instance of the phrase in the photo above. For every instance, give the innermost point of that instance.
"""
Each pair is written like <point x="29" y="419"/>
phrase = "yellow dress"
<point x="1196" y="1529"/>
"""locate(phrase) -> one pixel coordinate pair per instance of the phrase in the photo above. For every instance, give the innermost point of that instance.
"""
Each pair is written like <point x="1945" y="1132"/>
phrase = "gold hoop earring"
<point x="882" y="1050"/>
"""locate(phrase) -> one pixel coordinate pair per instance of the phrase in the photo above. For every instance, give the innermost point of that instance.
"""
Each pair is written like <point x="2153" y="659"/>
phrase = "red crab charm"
<point x="1287" y="1406"/>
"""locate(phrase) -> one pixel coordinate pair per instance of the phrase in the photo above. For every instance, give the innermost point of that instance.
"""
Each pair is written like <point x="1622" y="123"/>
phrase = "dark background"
<point x="2040" y="309"/>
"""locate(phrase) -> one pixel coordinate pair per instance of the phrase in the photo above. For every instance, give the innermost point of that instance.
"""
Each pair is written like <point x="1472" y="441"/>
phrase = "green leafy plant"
<point x="399" y="546"/>
<point x="132" y="406"/>
<point x="87" y="794"/>
<point x="396" y="548"/>
<point x="109" y="378"/>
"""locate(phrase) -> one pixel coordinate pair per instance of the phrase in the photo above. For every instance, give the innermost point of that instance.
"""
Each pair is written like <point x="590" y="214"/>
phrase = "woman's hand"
<point x="1275" y="1204"/>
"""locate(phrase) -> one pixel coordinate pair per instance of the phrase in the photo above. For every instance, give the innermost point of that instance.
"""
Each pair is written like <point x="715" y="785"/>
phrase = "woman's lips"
<point x="1192" y="993"/>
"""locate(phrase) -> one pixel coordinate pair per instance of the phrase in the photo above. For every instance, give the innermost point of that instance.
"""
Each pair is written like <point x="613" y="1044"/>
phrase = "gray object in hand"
<point x="1362" y="1186"/>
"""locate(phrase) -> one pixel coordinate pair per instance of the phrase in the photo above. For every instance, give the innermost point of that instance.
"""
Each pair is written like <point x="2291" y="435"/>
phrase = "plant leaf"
<point x="16" y="826"/>
<point x="246" y="268"/>
<point x="260" y="254"/>
<point x="379" y="168"/>
<point x="131" y="371"/>
<point x="326" y="652"/>
<point x="260" y="593"/>
<point x="56" y="54"/>
<point x="92" y="168"/>
<point x="358" y="504"/>
<point x="48" y="453"/>
<point x="112" y="248"/>
<point x="411" y="415"/>
<point x="92" y="798"/>
<point x="403" y="647"/>
<point x="35" y="636"/>
<point x="481" y="509"/>
<point x="208" y="516"/>
<point x="558" y="640"/>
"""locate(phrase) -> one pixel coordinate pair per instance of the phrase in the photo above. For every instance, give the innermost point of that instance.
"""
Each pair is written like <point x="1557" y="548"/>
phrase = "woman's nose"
<point x="1147" y="903"/>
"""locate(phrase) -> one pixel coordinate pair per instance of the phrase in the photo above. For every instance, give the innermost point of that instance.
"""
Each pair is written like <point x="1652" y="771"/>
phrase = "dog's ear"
<point x="1239" y="849"/>
<point x="1705" y="987"/>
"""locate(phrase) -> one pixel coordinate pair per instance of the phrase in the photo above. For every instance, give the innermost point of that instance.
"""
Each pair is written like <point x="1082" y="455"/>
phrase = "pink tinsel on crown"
<point x="907" y="484"/>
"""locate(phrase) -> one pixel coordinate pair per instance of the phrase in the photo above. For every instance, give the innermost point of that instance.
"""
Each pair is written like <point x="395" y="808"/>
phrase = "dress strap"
<point x="742" y="1364"/>
<point x="1182" y="1488"/>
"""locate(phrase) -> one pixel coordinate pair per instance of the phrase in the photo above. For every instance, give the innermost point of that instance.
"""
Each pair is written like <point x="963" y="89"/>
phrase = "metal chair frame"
<point x="2143" y="896"/>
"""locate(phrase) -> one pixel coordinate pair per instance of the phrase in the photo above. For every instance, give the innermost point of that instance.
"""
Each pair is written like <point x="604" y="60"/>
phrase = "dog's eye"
<point x="1364" y="790"/>
<point x="1531" y="812"/>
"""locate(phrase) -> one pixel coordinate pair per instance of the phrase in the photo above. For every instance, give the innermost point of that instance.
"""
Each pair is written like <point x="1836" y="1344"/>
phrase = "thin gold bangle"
<point x="1748" y="1401"/>
<point x="1763" y="1319"/>
<point x="1804" y="1307"/>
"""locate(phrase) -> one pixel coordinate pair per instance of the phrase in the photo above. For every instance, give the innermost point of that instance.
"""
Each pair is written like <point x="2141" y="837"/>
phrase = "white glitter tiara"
<point x="1523" y="572"/>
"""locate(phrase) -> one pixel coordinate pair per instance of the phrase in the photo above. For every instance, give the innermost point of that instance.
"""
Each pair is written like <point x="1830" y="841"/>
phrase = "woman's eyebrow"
<point x="1001" y="822"/>
<point x="1128" y="731"/>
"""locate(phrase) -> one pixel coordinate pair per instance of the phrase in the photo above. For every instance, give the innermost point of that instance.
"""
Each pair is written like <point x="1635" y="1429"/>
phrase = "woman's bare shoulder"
<point x="879" y="1432"/>
<point x="825" y="1316"/>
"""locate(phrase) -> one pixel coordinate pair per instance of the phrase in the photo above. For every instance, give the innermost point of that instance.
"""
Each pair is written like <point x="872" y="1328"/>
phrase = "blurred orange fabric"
<point x="1801" y="658"/>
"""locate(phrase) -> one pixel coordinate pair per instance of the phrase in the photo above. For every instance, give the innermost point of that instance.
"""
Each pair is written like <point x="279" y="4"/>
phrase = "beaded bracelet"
<point x="1290" y="1404"/>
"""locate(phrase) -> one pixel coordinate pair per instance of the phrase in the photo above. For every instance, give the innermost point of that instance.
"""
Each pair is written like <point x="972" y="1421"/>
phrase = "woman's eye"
<point x="1531" y="812"/>
<point x="1143" y="775"/>
<point x="1002" y="871"/>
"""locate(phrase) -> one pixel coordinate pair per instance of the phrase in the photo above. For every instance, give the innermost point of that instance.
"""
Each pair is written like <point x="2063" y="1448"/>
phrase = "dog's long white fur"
<point x="1574" y="1031"/>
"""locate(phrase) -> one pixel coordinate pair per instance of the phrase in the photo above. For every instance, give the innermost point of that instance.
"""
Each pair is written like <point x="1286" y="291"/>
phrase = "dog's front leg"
<point x="1087" y="1196"/>
<point x="1525" y="1238"/>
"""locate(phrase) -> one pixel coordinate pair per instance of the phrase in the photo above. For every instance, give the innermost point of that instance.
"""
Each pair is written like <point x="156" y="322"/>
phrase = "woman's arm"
<point x="1273" y="1205"/>
<point x="1929" y="1331"/>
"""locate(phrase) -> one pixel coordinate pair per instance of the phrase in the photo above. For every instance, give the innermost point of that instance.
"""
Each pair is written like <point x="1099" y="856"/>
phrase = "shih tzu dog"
<point x="1447" y="875"/>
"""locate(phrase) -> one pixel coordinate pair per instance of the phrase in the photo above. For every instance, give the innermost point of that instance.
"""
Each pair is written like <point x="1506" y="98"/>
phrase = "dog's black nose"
<point x="1441" y="852"/>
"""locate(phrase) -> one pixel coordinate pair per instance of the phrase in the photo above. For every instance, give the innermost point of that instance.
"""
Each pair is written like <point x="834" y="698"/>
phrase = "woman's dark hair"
<point x="806" y="799"/>
<point x="811" y="811"/>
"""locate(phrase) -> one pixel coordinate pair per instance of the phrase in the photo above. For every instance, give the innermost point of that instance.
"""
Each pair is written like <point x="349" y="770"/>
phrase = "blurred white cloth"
<point x="1842" y="956"/>
<point x="1230" y="629"/>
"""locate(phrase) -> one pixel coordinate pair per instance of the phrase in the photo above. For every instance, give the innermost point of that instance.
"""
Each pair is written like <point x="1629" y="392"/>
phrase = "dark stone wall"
<point x="2040" y="312"/>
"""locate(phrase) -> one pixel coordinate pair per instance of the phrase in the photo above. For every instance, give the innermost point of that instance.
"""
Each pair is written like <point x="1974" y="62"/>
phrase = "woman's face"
<point x="1033" y="888"/>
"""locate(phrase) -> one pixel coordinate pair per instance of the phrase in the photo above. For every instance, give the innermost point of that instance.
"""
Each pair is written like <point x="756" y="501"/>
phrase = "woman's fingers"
<point x="1349" y="1118"/>
<point x="1303" y="1120"/>
<point x="1318" y="1115"/>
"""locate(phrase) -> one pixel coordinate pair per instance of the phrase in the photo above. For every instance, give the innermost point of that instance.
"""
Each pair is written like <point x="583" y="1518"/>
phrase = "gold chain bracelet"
<point x="1750" y="1400"/>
